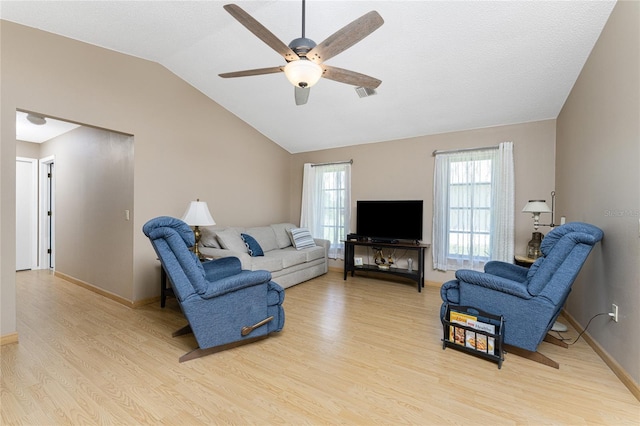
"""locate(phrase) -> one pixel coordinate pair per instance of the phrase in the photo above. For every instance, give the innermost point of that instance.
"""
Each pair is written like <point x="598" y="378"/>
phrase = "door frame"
<point x="33" y="221"/>
<point x="47" y="227"/>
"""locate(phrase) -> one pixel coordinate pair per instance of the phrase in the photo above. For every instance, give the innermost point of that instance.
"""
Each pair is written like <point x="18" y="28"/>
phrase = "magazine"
<point x="457" y="334"/>
<point x="479" y="341"/>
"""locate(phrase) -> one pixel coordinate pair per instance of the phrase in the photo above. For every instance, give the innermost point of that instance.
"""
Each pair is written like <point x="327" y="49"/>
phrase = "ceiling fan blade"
<point x="261" y="32"/>
<point x="349" y="77"/>
<point x="247" y="73"/>
<point x="301" y="95"/>
<point x="346" y="37"/>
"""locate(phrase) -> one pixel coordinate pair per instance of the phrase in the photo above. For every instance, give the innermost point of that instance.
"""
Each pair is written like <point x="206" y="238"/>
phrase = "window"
<point x="473" y="208"/>
<point x="326" y="204"/>
<point x="469" y="224"/>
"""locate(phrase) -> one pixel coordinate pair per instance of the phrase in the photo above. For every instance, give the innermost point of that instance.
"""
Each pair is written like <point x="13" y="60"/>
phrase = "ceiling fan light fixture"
<point x="303" y="73"/>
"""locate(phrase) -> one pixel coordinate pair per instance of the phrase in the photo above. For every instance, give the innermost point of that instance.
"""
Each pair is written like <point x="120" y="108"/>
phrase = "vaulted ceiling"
<point x="445" y="65"/>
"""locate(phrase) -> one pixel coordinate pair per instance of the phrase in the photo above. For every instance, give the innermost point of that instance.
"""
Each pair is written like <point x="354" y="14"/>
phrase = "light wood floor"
<point x="359" y="352"/>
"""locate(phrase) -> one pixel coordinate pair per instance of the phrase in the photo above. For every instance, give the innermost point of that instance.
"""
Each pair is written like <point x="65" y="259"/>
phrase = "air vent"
<point x="363" y="92"/>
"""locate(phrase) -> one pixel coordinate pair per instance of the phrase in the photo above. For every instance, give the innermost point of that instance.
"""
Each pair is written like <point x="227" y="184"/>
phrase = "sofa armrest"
<point x="218" y="253"/>
<point x="323" y="243"/>
<point x="493" y="282"/>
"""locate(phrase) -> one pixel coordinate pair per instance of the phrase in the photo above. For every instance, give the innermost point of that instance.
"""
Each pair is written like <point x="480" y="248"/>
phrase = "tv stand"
<point x="384" y="241"/>
<point x="416" y="274"/>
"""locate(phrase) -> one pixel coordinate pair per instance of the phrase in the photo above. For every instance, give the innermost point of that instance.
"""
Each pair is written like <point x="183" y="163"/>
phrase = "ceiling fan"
<point x="305" y="60"/>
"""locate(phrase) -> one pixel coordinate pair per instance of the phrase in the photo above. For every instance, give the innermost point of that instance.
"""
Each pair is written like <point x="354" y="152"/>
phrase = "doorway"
<point x="85" y="192"/>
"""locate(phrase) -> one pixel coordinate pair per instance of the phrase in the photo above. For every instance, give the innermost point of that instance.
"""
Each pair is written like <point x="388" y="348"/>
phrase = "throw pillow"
<point x="252" y="245"/>
<point x="301" y="238"/>
<point x="230" y="239"/>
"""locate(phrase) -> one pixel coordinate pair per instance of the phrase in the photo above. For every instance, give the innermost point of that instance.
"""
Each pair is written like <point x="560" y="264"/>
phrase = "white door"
<point x="26" y="213"/>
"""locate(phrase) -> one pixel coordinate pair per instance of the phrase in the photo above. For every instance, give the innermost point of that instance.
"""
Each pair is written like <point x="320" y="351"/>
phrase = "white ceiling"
<point x="27" y="131"/>
<point x="444" y="65"/>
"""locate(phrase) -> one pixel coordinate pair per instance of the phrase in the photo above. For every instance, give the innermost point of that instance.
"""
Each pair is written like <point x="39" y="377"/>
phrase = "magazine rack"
<point x="473" y="331"/>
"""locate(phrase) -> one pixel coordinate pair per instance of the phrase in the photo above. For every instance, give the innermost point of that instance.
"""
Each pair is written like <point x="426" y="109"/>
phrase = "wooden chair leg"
<point x="555" y="341"/>
<point x="533" y="356"/>
<point x="181" y="332"/>
<point x="197" y="353"/>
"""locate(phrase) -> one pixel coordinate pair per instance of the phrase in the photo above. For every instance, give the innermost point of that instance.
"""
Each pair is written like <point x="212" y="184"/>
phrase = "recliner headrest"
<point x="155" y="229"/>
<point x="583" y="233"/>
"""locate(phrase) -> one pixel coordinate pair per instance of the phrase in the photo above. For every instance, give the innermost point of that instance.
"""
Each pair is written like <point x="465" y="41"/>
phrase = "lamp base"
<point x="197" y="234"/>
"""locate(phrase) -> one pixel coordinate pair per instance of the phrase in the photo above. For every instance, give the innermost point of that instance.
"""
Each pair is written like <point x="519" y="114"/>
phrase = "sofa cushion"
<point x="288" y="257"/>
<point x="268" y="262"/>
<point x="253" y="247"/>
<point x="230" y="239"/>
<point x="301" y="238"/>
<point x="209" y="237"/>
<point x="281" y="230"/>
<point x="265" y="236"/>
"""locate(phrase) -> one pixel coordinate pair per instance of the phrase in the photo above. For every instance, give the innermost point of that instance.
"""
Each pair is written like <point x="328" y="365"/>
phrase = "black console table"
<point x="417" y="274"/>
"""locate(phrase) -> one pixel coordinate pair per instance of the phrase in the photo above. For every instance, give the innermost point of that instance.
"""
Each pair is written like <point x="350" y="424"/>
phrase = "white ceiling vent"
<point x="363" y="92"/>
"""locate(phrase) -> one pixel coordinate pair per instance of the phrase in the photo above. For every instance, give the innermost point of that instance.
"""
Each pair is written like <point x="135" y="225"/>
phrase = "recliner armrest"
<point x="236" y="282"/>
<point x="506" y="270"/>
<point x="218" y="269"/>
<point x="493" y="282"/>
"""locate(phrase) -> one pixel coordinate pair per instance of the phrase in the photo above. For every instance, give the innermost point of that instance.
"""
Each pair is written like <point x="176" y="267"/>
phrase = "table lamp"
<point x="535" y="207"/>
<point x="198" y="215"/>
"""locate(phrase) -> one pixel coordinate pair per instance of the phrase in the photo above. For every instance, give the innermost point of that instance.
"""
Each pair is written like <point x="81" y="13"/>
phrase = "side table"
<point x="523" y="260"/>
<point x="166" y="290"/>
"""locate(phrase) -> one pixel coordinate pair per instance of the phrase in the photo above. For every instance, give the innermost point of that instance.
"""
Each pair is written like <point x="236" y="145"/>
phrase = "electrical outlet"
<point x="614" y="312"/>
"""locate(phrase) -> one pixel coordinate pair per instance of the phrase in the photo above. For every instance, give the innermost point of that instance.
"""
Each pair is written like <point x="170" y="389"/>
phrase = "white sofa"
<point x="288" y="265"/>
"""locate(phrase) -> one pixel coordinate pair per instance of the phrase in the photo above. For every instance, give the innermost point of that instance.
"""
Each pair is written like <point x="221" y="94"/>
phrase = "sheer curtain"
<point x="473" y="208"/>
<point x="502" y="224"/>
<point x="326" y="204"/>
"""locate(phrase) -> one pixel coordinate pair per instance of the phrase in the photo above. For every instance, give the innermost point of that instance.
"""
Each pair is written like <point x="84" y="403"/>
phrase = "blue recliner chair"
<point x="225" y="306"/>
<point x="530" y="300"/>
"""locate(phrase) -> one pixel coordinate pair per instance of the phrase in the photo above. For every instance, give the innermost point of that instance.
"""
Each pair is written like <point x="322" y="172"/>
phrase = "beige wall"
<point x="27" y="149"/>
<point x="403" y="169"/>
<point x="93" y="189"/>
<point x="598" y="170"/>
<point x="186" y="146"/>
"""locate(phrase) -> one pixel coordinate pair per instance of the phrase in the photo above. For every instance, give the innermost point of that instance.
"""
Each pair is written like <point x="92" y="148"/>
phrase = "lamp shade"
<point x="536" y="206"/>
<point x="303" y="73"/>
<point x="197" y="214"/>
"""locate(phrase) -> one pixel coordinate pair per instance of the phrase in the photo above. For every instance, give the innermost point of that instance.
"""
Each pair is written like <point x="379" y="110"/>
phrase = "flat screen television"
<point x="388" y="220"/>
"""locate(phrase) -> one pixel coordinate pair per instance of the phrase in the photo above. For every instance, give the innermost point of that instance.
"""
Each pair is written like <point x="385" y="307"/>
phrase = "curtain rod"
<point x="331" y="164"/>
<point x="436" y="152"/>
